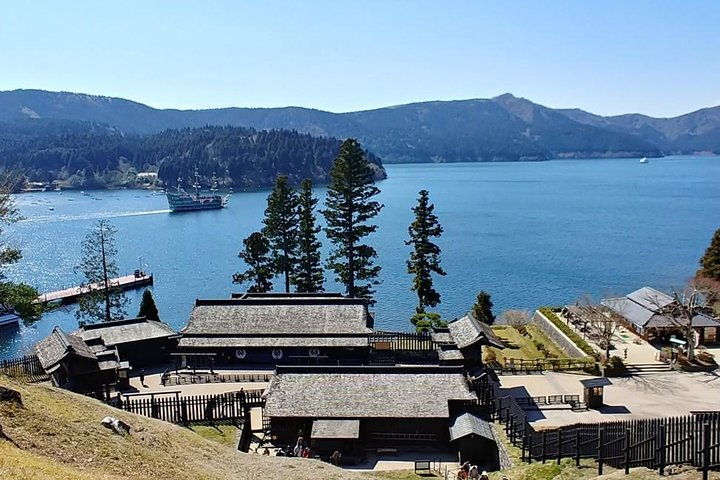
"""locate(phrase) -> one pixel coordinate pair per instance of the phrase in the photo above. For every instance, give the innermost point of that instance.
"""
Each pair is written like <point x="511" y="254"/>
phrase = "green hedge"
<point x="576" y="339"/>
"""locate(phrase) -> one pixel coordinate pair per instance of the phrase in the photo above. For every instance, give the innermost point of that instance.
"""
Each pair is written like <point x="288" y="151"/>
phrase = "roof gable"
<point x="125" y="331"/>
<point x="52" y="349"/>
<point x="467" y="331"/>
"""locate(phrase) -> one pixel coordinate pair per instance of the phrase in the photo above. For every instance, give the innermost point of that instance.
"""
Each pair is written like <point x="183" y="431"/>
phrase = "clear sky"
<point x="656" y="57"/>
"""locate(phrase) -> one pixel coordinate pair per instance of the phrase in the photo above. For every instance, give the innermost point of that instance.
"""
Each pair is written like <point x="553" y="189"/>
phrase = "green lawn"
<point x="521" y="347"/>
<point x="225" y="434"/>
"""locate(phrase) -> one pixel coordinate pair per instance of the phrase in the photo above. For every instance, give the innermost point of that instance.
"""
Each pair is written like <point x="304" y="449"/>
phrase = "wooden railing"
<point x="401" y="341"/>
<point x="27" y="368"/>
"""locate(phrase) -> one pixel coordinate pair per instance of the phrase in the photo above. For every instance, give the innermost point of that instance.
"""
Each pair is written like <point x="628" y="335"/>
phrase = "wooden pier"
<point x="69" y="295"/>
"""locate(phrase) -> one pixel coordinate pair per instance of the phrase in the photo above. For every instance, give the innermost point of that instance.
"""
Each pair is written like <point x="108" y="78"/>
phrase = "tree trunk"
<point x="105" y="276"/>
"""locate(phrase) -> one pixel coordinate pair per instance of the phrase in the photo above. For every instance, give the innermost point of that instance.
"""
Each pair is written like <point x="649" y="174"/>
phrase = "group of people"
<point x="299" y="450"/>
<point x="471" y="472"/>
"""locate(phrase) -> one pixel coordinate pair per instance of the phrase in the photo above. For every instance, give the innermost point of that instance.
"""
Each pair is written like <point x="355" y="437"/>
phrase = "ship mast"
<point x="196" y="185"/>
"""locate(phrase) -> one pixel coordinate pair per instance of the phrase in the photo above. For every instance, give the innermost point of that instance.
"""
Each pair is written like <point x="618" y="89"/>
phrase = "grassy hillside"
<point x="57" y="435"/>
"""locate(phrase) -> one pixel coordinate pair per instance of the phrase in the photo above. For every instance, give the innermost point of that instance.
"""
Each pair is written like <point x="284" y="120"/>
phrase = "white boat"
<point x="644" y="160"/>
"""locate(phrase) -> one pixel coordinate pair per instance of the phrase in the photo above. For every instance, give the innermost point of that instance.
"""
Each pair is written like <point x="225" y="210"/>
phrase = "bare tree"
<point x="602" y="322"/>
<point x="681" y="312"/>
<point x="518" y="319"/>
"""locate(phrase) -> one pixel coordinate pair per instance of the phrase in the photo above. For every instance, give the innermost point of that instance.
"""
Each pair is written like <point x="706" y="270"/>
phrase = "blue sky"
<point x="609" y="57"/>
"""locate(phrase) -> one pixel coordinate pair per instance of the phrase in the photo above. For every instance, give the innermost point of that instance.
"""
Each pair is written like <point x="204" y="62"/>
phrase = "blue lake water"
<point x="529" y="233"/>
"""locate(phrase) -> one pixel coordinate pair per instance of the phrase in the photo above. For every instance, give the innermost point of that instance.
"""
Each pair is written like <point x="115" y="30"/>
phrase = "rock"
<point x="9" y="395"/>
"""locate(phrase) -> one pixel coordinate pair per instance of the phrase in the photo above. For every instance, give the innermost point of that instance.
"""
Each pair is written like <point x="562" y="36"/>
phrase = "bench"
<point x="422" y="466"/>
<point x="386" y="451"/>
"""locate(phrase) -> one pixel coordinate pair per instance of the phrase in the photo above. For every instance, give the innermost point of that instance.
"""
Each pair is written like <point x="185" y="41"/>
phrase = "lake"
<point x="531" y="234"/>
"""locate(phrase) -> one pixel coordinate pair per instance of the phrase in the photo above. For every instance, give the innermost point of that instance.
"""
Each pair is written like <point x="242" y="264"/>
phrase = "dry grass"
<point x="57" y="435"/>
<point x="521" y="347"/>
<point x="223" y="434"/>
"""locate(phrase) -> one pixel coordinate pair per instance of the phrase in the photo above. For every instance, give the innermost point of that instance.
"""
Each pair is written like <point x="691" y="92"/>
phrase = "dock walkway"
<point x="70" y="295"/>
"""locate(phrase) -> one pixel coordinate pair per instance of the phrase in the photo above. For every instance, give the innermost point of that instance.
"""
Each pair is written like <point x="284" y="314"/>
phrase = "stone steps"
<point x="647" y="368"/>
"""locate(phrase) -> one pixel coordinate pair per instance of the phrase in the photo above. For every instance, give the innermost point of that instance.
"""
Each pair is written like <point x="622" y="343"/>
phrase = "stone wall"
<point x="557" y="336"/>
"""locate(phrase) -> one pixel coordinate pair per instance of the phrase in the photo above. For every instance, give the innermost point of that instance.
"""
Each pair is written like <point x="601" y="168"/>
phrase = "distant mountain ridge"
<point x="504" y="128"/>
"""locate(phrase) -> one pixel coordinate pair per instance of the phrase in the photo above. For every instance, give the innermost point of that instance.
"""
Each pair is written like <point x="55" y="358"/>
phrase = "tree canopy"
<point x="148" y="309"/>
<point x="14" y="297"/>
<point x="425" y="256"/>
<point x="349" y="208"/>
<point x="482" y="309"/>
<point x="281" y="228"/>
<point x="711" y="260"/>
<point x="104" y="301"/>
<point x="309" y="275"/>
<point x="256" y="256"/>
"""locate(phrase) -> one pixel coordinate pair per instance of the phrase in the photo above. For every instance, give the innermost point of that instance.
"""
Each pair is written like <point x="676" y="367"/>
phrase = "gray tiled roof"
<point x="650" y="298"/>
<point x="125" y="331"/>
<point x="644" y="307"/>
<point x="331" y="428"/>
<point x="56" y="346"/>
<point x="370" y="392"/>
<point x="470" y="423"/>
<point x="192" y="341"/>
<point x="264" y="317"/>
<point x="632" y="311"/>
<point x="441" y="337"/>
<point x="447" y="354"/>
<point x="467" y="331"/>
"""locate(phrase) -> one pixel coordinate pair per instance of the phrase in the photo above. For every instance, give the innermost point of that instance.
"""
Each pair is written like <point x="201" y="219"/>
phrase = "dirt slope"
<point x="57" y="435"/>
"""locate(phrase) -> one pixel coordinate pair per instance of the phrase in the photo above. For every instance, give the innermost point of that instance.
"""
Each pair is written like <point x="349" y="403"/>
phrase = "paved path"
<point x="659" y="395"/>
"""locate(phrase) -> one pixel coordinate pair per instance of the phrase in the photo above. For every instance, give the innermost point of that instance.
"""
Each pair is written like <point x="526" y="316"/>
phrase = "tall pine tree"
<point x="425" y="257"/>
<point x="349" y="207"/>
<point x="309" y="273"/>
<point x="256" y="255"/>
<point x="711" y="260"/>
<point x="482" y="310"/>
<point x="281" y="228"/>
<point x="104" y="301"/>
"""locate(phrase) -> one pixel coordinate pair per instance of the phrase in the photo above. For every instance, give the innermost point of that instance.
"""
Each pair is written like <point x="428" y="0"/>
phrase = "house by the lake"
<point x="272" y="328"/>
<point x="653" y="315"/>
<point x="355" y="408"/>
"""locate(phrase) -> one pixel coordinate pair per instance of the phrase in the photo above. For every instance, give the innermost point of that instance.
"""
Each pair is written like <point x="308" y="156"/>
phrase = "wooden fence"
<point x="224" y="408"/>
<point x="524" y="366"/>
<point x="27" y="368"/>
<point x="654" y="443"/>
<point x="184" y="378"/>
<point x="405" y="341"/>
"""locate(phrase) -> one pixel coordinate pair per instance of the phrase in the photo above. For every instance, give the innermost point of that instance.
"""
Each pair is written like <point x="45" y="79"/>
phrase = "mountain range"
<point x="503" y="128"/>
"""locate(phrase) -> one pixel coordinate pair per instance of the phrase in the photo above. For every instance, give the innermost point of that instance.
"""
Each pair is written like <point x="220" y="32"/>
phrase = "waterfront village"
<point x="308" y="375"/>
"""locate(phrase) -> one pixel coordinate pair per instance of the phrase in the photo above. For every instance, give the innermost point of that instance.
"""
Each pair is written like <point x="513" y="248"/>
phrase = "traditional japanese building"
<point x="139" y="341"/>
<point x="72" y="364"/>
<point x="276" y="328"/>
<point x="354" y="406"/>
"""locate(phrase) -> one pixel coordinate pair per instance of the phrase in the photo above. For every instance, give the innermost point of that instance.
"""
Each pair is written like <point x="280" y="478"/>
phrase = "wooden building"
<point x="654" y="316"/>
<point x="462" y="341"/>
<point x="277" y="328"/>
<point x="139" y="341"/>
<point x="475" y="440"/>
<point x="73" y="364"/>
<point x="360" y="406"/>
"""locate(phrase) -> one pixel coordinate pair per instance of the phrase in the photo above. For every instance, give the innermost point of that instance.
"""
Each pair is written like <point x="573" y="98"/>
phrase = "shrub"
<point x="706" y="357"/>
<point x="490" y="356"/>
<point x="539" y="345"/>
<point x="574" y="337"/>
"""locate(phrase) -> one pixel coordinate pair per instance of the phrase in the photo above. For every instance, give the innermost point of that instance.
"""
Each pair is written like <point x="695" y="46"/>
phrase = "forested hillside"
<point x="90" y="155"/>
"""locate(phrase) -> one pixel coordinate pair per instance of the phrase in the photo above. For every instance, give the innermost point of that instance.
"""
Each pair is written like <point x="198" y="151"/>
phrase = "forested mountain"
<point x="90" y="155"/>
<point x="694" y="132"/>
<point x="503" y="128"/>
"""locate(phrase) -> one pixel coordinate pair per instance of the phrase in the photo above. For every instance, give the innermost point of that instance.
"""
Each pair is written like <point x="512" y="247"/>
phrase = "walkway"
<point x="660" y="395"/>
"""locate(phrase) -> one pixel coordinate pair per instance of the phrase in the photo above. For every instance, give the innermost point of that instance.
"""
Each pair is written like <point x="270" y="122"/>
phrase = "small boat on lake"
<point x="182" y="201"/>
<point x="644" y="160"/>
